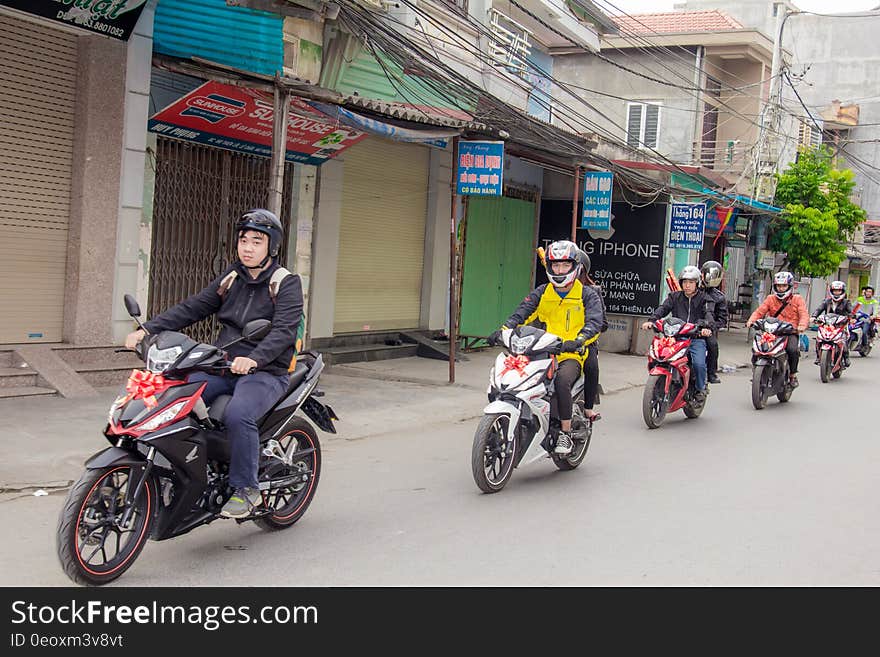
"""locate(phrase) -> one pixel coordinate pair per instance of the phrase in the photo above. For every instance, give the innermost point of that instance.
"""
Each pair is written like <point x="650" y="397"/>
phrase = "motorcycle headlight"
<point x="670" y="330"/>
<point x="520" y="345"/>
<point x="161" y="418"/>
<point x="159" y="360"/>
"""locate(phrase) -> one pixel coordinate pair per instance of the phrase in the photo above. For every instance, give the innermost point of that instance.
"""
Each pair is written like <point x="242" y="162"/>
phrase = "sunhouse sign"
<point x="113" y="18"/>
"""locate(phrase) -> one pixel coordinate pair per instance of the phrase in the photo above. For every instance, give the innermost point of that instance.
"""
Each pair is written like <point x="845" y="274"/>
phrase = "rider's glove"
<point x="494" y="338"/>
<point x="572" y="345"/>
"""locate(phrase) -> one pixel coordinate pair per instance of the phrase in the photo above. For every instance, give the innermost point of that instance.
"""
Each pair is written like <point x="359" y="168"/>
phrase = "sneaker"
<point x="700" y="396"/>
<point x="793" y="381"/>
<point x="242" y="503"/>
<point x="816" y="362"/>
<point x="563" y="444"/>
<point x="713" y="378"/>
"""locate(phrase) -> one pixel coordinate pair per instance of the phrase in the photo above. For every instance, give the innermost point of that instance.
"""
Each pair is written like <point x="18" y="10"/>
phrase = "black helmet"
<point x="264" y="222"/>
<point x="584" y="260"/>
<point x="712" y="273"/>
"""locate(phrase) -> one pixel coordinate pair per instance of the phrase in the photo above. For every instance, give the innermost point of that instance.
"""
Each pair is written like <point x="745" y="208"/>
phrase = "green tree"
<point x="818" y="217"/>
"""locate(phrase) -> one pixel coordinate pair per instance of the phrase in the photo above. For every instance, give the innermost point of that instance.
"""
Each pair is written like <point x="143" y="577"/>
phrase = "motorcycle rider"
<point x="572" y="311"/>
<point x="788" y="307"/>
<point x="838" y="304"/>
<point x="591" y="365"/>
<point x="711" y="275"/>
<point x="693" y="305"/>
<point x="236" y="300"/>
<point x="869" y="306"/>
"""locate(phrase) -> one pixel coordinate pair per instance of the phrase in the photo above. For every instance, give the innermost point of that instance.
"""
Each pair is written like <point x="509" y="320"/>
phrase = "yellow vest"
<point x="563" y="316"/>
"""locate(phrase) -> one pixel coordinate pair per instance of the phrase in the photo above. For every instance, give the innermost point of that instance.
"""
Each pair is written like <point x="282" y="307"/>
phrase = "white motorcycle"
<point x="515" y="429"/>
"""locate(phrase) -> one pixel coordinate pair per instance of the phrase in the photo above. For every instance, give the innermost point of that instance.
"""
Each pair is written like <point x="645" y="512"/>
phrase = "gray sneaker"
<point x="563" y="444"/>
<point x="242" y="503"/>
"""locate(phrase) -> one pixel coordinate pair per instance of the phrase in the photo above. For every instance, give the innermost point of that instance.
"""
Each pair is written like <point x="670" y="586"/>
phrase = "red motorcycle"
<point x="830" y="344"/>
<point x="770" y="373"/>
<point x="670" y="385"/>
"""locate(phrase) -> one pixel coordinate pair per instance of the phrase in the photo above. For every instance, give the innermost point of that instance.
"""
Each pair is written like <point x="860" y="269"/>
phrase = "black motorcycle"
<point x="166" y="472"/>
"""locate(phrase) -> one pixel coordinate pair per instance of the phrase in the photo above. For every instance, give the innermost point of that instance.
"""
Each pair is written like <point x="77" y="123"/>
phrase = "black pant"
<point x="561" y="403"/>
<point x="793" y="352"/>
<point x="712" y="355"/>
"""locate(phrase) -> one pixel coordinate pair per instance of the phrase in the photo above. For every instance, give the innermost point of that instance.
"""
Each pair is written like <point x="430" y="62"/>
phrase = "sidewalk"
<point x="44" y="441"/>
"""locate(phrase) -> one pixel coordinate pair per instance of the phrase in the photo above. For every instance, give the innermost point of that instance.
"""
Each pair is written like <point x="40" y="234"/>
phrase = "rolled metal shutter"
<point x="37" y="100"/>
<point x="382" y="237"/>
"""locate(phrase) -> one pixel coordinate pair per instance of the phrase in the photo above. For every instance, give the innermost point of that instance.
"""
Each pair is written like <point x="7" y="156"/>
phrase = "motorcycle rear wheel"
<point x="692" y="410"/>
<point x="493" y="453"/>
<point x="655" y="402"/>
<point x="825" y="365"/>
<point x="760" y="385"/>
<point x="290" y="504"/>
<point x="864" y="350"/>
<point x="582" y="427"/>
<point x="89" y="524"/>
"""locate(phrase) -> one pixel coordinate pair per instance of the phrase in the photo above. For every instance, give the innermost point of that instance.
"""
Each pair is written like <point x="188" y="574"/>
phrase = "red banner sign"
<point x="240" y="119"/>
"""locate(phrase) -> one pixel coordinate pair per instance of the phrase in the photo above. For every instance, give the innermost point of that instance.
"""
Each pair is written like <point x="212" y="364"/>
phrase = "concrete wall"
<point x="435" y="273"/>
<point x="325" y="249"/>
<point x="677" y="113"/>
<point x="95" y="187"/>
<point x="129" y="269"/>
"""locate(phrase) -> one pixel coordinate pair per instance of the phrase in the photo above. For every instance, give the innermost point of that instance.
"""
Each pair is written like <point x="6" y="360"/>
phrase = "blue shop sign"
<point x="480" y="168"/>
<point x="687" y="225"/>
<point x="596" y="213"/>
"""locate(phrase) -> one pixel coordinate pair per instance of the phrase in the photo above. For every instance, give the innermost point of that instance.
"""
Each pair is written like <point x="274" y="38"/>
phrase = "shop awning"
<point x="431" y="136"/>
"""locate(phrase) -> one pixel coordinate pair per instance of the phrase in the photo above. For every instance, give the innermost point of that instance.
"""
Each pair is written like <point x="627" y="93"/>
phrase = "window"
<point x="710" y="136"/>
<point x="643" y="125"/>
<point x="809" y="135"/>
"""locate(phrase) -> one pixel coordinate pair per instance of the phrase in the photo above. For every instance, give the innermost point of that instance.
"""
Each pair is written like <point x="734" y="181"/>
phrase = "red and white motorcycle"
<point x="670" y="385"/>
<point x="831" y="340"/>
<point x="770" y="373"/>
<point x="515" y="429"/>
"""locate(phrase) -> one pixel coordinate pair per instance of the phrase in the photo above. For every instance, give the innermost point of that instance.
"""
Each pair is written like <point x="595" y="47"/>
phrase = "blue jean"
<point x="252" y="395"/>
<point x="697" y="351"/>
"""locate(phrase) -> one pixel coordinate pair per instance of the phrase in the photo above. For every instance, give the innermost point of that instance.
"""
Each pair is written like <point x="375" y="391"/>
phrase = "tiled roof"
<point x="676" y="22"/>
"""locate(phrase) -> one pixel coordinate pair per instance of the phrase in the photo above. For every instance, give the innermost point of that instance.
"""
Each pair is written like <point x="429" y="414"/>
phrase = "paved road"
<point x="784" y="496"/>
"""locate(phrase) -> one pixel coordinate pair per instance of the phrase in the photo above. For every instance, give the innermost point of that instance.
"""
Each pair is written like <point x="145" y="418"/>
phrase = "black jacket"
<point x="246" y="300"/>
<point x="720" y="301"/>
<point x="699" y="309"/>
<point x="844" y="307"/>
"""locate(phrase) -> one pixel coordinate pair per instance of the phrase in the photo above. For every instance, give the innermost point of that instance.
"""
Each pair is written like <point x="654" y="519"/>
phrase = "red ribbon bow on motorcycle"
<point x="145" y="385"/>
<point x="517" y="363"/>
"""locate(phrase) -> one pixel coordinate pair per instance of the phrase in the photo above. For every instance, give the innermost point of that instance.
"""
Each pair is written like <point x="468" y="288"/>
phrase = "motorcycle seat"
<point x="218" y="407"/>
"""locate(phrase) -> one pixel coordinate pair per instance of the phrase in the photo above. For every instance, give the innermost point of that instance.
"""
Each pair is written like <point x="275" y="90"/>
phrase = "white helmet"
<point x="563" y="251"/>
<point x="783" y="278"/>
<point x="838" y="290"/>
<point x="690" y="273"/>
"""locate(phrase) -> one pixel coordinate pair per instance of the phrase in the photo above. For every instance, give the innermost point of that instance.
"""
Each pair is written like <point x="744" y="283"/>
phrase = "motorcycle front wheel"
<point x="93" y="545"/>
<point x="825" y="365"/>
<point x="655" y="401"/>
<point x="493" y="453"/>
<point x="761" y="378"/>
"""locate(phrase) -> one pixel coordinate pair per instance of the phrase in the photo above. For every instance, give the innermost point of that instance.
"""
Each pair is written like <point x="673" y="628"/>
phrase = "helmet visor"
<point x="561" y="267"/>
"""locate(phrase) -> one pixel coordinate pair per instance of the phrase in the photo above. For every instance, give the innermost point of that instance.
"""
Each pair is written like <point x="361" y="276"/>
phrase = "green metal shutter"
<point x="498" y="259"/>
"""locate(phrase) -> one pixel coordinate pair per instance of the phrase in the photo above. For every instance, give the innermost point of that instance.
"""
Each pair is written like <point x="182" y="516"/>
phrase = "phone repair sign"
<point x="687" y="225"/>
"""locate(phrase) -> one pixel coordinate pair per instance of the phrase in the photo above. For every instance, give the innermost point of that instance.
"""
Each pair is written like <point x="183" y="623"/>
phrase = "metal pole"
<point x="453" y="286"/>
<point x="279" y="149"/>
<point x="574" y="204"/>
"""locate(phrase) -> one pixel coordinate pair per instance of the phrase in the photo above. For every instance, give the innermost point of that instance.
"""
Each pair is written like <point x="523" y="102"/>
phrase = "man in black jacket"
<point x="712" y="274"/>
<point x="837" y="304"/>
<point x="239" y="295"/>
<point x="692" y="305"/>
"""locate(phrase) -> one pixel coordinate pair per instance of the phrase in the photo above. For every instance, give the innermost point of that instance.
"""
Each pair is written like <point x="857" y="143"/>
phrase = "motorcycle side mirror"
<point x="256" y="329"/>
<point x="131" y="305"/>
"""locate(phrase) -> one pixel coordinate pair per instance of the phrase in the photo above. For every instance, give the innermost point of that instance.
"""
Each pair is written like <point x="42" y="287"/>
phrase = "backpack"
<point x="274" y="285"/>
<point x="598" y="289"/>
